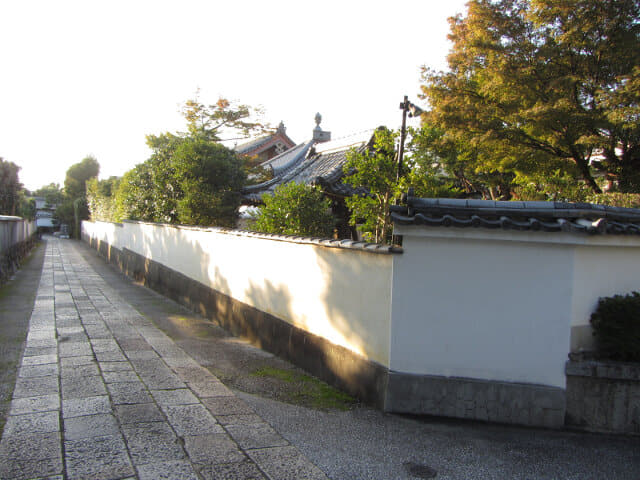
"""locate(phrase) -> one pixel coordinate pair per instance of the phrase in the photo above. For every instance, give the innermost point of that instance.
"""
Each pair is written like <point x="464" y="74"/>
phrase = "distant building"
<point x="267" y="147"/>
<point x="44" y="215"/>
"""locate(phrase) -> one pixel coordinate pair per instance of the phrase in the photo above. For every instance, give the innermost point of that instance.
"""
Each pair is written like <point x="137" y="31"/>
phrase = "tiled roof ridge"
<point x="304" y="148"/>
<point x="319" y="241"/>
<point x="282" y="174"/>
<point x="518" y="215"/>
<point x="252" y="144"/>
<point x="261" y="142"/>
<point x="339" y="148"/>
<point x="338" y="172"/>
<point x="284" y="177"/>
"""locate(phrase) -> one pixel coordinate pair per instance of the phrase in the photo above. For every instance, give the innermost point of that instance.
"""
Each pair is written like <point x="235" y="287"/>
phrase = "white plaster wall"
<point x="14" y="230"/>
<point x="603" y="271"/>
<point x="481" y="304"/>
<point x="105" y="232"/>
<point x="341" y="295"/>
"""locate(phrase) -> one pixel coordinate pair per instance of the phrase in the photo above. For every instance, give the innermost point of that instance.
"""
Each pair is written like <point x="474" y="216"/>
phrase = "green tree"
<point x="75" y="182"/>
<point x="10" y="187"/>
<point x="296" y="209"/>
<point x="544" y="86"/>
<point x="210" y="177"/>
<point x="190" y="177"/>
<point x="135" y="195"/>
<point x="52" y="194"/>
<point x="443" y="167"/>
<point x="26" y="207"/>
<point x="74" y="206"/>
<point x="101" y="199"/>
<point x="164" y="186"/>
<point x="374" y="171"/>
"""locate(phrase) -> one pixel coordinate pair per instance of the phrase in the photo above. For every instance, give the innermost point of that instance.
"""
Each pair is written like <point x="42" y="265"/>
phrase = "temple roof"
<point x="258" y="145"/>
<point x="311" y="164"/>
<point x="543" y="216"/>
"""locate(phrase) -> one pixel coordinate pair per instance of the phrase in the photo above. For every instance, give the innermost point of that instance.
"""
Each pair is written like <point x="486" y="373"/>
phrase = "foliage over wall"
<point x="295" y="209"/>
<point x="10" y="188"/>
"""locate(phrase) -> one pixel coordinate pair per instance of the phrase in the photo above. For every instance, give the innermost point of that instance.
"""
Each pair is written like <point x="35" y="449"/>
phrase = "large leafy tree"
<point x="190" y="178"/>
<point x="374" y="171"/>
<point x="74" y="207"/>
<point x="544" y="86"/>
<point x="296" y="209"/>
<point x="75" y="182"/>
<point x="10" y="187"/>
<point x="210" y="177"/>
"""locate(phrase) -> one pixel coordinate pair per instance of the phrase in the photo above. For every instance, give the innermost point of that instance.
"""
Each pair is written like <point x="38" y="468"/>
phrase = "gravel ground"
<point x="367" y="444"/>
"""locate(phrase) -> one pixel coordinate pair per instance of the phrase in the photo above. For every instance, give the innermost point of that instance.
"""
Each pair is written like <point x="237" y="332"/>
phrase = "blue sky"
<point x="95" y="77"/>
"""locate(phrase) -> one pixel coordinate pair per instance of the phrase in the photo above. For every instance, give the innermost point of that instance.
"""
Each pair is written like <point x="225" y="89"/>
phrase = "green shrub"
<point x="616" y="327"/>
<point x="296" y="209"/>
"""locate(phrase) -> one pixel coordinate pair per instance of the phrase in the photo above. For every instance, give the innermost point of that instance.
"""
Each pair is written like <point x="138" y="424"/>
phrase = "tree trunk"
<point x="585" y="171"/>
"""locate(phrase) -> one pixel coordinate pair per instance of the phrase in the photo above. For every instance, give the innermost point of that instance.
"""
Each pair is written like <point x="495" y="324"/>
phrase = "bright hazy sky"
<point x="94" y="77"/>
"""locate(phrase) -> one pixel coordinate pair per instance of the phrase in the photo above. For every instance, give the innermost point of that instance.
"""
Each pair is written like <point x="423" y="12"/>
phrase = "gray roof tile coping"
<point x="321" y="242"/>
<point x="518" y="215"/>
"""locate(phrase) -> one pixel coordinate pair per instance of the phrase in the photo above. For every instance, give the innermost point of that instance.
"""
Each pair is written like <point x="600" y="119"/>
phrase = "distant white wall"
<point x="14" y="230"/>
<point x="341" y="295"/>
<point x="499" y="305"/>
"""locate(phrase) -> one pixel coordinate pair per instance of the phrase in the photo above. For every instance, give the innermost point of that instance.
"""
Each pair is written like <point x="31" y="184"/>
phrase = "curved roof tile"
<point x="534" y="216"/>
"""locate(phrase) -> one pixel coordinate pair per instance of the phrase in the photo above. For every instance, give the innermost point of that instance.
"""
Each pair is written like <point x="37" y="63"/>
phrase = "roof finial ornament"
<point x="281" y="127"/>
<point x="318" y="134"/>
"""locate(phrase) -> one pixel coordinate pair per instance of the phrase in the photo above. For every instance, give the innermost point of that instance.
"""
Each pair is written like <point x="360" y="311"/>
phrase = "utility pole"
<point x="404" y="106"/>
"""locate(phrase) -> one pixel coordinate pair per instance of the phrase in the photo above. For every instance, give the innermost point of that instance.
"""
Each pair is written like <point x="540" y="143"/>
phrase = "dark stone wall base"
<point x="364" y="379"/>
<point x="603" y="396"/>
<point x="493" y="401"/>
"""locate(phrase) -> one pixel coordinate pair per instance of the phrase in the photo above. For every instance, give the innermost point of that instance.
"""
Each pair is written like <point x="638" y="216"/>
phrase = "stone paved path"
<point x="103" y="394"/>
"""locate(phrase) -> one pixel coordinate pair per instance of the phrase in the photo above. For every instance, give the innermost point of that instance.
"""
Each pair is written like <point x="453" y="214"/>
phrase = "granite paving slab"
<point x="138" y="413"/>
<point x="97" y="458"/>
<point x="40" y="422"/>
<point x="31" y="446"/>
<point x="177" y="470"/>
<point x="246" y="470"/>
<point x="191" y="420"/>
<point x="86" y="426"/>
<point x="42" y="403"/>
<point x="77" y="407"/>
<point x="255" y="435"/>
<point x="213" y="448"/>
<point x="152" y="442"/>
<point x="32" y="387"/>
